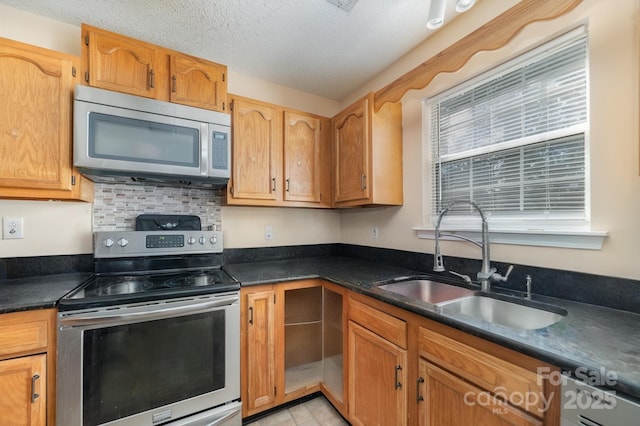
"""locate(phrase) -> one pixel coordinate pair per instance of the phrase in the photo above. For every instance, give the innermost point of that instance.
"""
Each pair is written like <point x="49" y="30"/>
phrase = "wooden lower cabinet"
<point x="484" y="382"/>
<point x="447" y="400"/>
<point x="27" y="368"/>
<point x="291" y="343"/>
<point x="377" y="366"/>
<point x="23" y="385"/>
<point x="258" y="342"/>
<point x="377" y="379"/>
<point x="387" y="366"/>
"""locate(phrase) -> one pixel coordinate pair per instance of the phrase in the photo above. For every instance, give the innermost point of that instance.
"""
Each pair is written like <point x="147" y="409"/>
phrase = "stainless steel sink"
<point x="428" y="291"/>
<point x="510" y="314"/>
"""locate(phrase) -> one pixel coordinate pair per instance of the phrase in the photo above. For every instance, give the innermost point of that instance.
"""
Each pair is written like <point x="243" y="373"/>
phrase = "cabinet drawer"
<point x="23" y="332"/>
<point x="486" y="371"/>
<point x="384" y="325"/>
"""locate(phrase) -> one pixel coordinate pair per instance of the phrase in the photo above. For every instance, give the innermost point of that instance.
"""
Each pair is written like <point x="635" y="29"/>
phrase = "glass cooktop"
<point x="105" y="290"/>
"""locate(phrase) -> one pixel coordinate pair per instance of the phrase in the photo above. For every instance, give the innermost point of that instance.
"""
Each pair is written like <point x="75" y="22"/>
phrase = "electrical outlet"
<point x="268" y="232"/>
<point x="374" y="232"/>
<point x="12" y="228"/>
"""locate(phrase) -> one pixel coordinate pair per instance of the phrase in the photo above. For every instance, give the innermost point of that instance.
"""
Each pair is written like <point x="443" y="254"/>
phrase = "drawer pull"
<point x="398" y="384"/>
<point x="419" y="397"/>
<point x="34" y="395"/>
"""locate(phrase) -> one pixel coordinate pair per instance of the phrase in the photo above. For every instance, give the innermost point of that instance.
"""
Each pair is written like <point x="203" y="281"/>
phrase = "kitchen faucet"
<point x="487" y="273"/>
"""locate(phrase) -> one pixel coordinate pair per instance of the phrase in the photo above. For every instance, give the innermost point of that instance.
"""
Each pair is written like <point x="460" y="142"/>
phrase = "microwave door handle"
<point x="205" y="132"/>
<point x="155" y="314"/>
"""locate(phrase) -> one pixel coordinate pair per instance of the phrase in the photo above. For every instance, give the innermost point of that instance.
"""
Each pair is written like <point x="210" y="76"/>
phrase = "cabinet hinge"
<point x="223" y="77"/>
<point x="223" y="106"/>
<point x="86" y="39"/>
<point x="86" y="76"/>
<point x="73" y="180"/>
<point x="73" y="71"/>
<point x="231" y="106"/>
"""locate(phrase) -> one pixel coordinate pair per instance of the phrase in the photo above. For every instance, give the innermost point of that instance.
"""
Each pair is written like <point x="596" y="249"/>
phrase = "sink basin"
<point x="510" y="314"/>
<point x="428" y="291"/>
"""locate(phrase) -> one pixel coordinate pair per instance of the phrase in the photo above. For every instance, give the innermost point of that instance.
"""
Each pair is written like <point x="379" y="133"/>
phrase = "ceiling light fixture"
<point x="436" y="14"/>
<point x="464" y="5"/>
<point x="437" y="9"/>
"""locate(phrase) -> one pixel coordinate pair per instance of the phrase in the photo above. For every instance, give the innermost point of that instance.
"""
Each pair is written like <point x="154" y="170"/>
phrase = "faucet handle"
<point x="466" y="278"/>
<point x="497" y="277"/>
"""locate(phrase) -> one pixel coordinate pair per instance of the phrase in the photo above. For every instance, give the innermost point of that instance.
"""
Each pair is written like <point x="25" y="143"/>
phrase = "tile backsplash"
<point x="116" y="206"/>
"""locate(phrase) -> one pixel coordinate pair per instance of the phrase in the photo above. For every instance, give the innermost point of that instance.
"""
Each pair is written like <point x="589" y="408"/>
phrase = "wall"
<point x="64" y="228"/>
<point x="614" y="141"/>
<point x="53" y="228"/>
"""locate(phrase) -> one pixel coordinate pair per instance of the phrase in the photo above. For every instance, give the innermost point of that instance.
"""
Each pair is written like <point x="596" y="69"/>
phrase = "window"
<point x="514" y="141"/>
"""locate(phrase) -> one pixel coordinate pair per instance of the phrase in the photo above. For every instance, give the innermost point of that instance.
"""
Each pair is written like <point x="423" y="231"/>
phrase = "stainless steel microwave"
<point x="124" y="138"/>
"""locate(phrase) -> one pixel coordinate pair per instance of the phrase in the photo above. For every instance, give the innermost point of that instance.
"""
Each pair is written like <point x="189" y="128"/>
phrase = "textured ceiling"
<point x="310" y="45"/>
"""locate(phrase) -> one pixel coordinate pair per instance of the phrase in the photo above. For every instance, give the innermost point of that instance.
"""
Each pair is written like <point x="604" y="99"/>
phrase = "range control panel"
<point x="155" y="243"/>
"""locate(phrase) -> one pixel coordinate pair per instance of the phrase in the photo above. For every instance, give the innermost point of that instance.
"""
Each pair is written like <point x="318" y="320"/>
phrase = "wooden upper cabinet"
<point x="280" y="157"/>
<point x="368" y="154"/>
<point x="351" y="133"/>
<point x="116" y="62"/>
<point x="36" y="88"/>
<point x="198" y="83"/>
<point x="257" y="151"/>
<point x="121" y="64"/>
<point x="302" y="157"/>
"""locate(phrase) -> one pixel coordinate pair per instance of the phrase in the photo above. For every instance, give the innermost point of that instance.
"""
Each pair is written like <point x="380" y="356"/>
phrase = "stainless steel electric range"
<point x="154" y="336"/>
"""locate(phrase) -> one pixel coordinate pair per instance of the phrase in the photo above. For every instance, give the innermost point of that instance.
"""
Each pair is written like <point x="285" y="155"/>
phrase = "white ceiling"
<point x="309" y="45"/>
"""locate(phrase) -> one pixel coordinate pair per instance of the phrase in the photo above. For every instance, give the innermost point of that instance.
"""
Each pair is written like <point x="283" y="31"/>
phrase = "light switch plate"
<point x="12" y="228"/>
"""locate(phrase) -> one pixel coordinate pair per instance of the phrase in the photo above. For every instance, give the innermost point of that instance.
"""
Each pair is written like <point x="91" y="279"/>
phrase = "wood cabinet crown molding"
<point x="491" y="36"/>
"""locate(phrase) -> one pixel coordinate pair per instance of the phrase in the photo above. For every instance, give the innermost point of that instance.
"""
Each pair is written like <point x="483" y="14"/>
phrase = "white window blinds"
<point x="513" y="139"/>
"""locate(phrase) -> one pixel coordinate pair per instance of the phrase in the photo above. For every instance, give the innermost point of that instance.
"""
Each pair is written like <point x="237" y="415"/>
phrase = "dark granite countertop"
<point x="40" y="292"/>
<point x="589" y="342"/>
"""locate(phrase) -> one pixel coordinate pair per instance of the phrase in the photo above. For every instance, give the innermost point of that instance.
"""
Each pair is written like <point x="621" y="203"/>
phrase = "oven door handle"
<point x="114" y="316"/>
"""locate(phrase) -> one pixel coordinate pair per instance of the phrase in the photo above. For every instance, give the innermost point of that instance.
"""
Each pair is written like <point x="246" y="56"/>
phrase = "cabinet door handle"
<point x="273" y="188"/>
<point x="152" y="82"/>
<point x="250" y="315"/>
<point x="173" y="83"/>
<point x="363" y="182"/>
<point x="287" y="185"/>
<point x="419" y="397"/>
<point x="398" y="384"/>
<point x="34" y="395"/>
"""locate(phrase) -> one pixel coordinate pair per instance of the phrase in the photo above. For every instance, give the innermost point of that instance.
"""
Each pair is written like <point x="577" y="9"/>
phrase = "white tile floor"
<point x="315" y="412"/>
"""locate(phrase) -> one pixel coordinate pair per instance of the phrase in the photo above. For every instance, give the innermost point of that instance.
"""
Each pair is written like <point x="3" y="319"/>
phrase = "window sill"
<point x="588" y="240"/>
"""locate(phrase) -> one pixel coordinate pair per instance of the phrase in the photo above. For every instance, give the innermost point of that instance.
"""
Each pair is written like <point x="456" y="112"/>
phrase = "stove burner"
<point x="125" y="285"/>
<point x="190" y="281"/>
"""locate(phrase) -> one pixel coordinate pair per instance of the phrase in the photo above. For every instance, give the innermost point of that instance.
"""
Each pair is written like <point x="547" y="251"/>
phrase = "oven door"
<point x="148" y="363"/>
